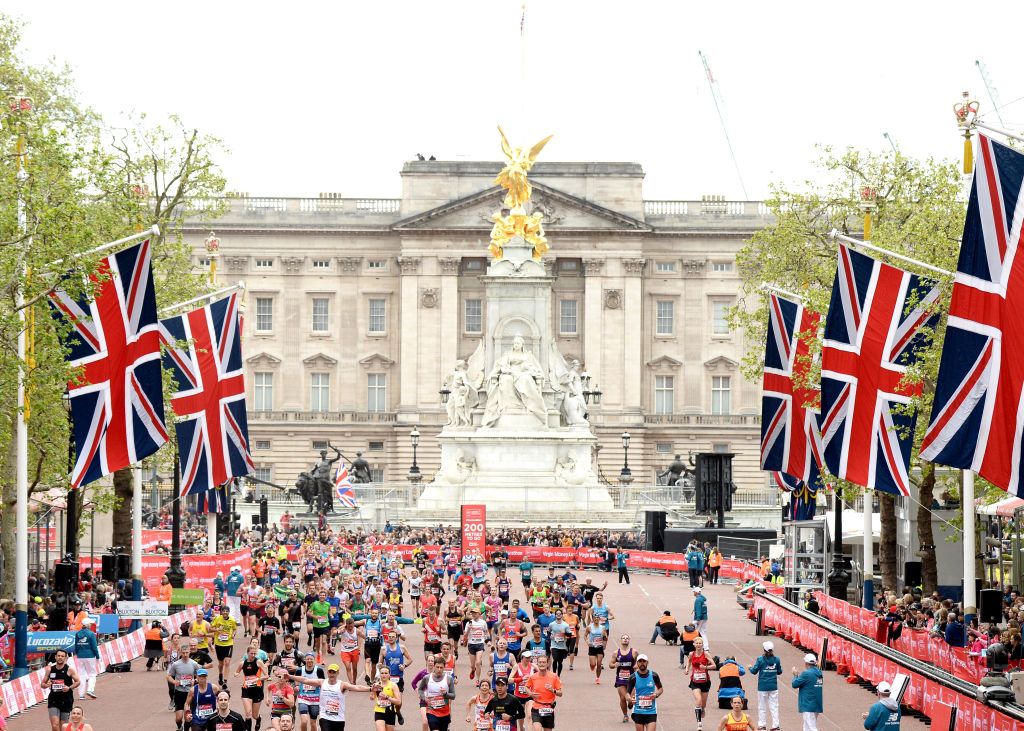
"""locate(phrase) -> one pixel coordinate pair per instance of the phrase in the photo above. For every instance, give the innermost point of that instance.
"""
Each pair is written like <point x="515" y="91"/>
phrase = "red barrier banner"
<point x="474" y="530"/>
<point x="927" y="696"/>
<point x="200" y="568"/>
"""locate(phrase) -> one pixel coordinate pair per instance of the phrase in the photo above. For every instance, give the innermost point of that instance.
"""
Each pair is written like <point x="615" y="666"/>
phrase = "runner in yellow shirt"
<point x="224" y="627"/>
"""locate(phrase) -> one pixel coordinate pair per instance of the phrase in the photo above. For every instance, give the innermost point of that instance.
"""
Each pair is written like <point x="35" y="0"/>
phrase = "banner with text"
<point x="474" y="530"/>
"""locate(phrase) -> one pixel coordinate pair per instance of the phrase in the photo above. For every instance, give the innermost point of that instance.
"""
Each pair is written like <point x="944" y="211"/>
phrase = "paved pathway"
<point x="138" y="700"/>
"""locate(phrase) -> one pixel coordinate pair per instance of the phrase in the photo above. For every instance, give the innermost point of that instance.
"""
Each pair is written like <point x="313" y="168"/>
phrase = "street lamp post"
<point x="414" y="471"/>
<point x="588" y="392"/>
<point x="625" y="475"/>
<point x="175" y="573"/>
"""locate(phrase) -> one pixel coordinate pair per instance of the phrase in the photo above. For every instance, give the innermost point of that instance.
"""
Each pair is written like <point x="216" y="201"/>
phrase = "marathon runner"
<point x="396" y="659"/>
<point x="544" y="687"/>
<point x="476" y="708"/>
<point x="224" y="719"/>
<point x="309" y="693"/>
<point x="520" y="689"/>
<point x="437" y="691"/>
<point x="387" y="700"/>
<point x="431" y="634"/>
<point x="332" y="697"/>
<point x="558" y="633"/>
<point x="597" y="639"/>
<point x="201" y="701"/>
<point x="623" y="664"/>
<point x="736" y="719"/>
<point x="282" y="697"/>
<point x="372" y="627"/>
<point x="253" y="672"/>
<point x="61" y="680"/>
<point x="224" y="627"/>
<point x="644" y="688"/>
<point x="699" y="665"/>
<point x="318" y="613"/>
<point x="349" y="638"/>
<point x="77" y="721"/>
<point x="504" y="710"/>
<point x="503" y="662"/>
<point x="181" y="675"/>
<point x="477" y="638"/>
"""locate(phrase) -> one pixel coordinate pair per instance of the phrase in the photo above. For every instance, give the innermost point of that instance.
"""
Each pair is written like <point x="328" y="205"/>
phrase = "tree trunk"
<point x="925" y="535"/>
<point x="124" y="485"/>
<point x="887" y="540"/>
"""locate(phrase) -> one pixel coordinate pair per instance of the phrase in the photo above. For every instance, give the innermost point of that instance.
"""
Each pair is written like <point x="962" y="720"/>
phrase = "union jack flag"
<point x="117" y="405"/>
<point x="343" y="487"/>
<point x="216" y="500"/>
<point x="976" y="419"/>
<point x="878" y="318"/>
<point x="204" y="356"/>
<point x="790" y="439"/>
<point x="803" y="501"/>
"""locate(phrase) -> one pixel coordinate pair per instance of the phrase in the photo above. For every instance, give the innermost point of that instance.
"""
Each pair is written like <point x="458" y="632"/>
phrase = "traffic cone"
<point x="750" y="612"/>
<point x="842" y="668"/>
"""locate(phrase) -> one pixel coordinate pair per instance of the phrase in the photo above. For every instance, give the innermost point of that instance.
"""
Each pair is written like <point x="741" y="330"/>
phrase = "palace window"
<point x="567" y="317"/>
<point x="263" y="473"/>
<point x="264" y="314"/>
<point x="665" y="266"/>
<point x="263" y="391"/>
<point x="473" y="316"/>
<point x="376" y="392"/>
<point x="321" y="310"/>
<point x="721" y="395"/>
<point x="665" y="324"/>
<point x="378" y="264"/>
<point x="264" y="263"/>
<point x="262" y="444"/>
<point x="320" y="392"/>
<point x="664" y="394"/>
<point x="378" y="316"/>
<point x="720" y="317"/>
<point x="721" y="266"/>
<point x="321" y="263"/>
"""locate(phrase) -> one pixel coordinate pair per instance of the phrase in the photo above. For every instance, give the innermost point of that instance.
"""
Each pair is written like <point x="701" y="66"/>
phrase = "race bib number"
<point x="501" y="725"/>
<point x="332" y="706"/>
<point x="349" y="645"/>
<point x="436" y="702"/>
<point x="624" y="674"/>
<point x="224" y="727"/>
<point x="57" y="686"/>
<point x="223" y="637"/>
<point x="384" y="702"/>
<point x="598" y="642"/>
<point x="251" y="681"/>
<point x="700" y="676"/>
<point x="645" y="702"/>
<point x="185" y="681"/>
<point x="545" y="711"/>
<point x="204" y="711"/>
<point x="268" y="630"/>
<point x="476" y="636"/>
<point x="500" y="668"/>
<point x="372" y="634"/>
<point x="558" y="637"/>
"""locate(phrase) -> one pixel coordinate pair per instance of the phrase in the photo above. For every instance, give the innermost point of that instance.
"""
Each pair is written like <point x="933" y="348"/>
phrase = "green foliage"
<point x="85" y="185"/>
<point x="919" y="212"/>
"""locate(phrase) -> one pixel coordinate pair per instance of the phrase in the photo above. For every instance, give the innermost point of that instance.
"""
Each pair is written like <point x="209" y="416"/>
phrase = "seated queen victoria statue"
<point x="515" y="382"/>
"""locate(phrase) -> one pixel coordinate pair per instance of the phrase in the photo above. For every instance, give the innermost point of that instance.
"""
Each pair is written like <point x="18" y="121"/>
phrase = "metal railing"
<point x="747" y="549"/>
<point x="354" y="417"/>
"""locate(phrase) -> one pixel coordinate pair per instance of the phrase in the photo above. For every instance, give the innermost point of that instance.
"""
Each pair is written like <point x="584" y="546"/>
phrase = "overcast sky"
<point x="313" y="97"/>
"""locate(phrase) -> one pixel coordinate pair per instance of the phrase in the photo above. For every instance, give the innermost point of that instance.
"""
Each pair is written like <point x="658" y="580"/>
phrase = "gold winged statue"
<point x="517" y="223"/>
<point x="513" y="176"/>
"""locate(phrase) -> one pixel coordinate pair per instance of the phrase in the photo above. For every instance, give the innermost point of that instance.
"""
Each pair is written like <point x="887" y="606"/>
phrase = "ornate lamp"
<point x="445" y="393"/>
<point x="625" y="475"/>
<point x="212" y="251"/>
<point x="414" y="435"/>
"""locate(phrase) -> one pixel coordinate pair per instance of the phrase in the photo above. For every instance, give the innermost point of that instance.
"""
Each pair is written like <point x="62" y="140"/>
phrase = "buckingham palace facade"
<point x="357" y="308"/>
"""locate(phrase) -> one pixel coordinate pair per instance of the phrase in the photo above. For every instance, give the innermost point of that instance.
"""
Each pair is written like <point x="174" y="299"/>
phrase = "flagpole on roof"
<point x="858" y="244"/>
<point x="240" y="285"/>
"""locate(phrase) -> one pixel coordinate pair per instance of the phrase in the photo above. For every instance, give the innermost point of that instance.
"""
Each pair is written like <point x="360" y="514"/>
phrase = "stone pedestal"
<point x="519" y="464"/>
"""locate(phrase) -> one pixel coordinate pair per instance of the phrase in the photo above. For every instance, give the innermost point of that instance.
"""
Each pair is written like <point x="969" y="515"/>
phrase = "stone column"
<point x="344" y="320"/>
<point x="408" y="325"/>
<point x="448" y="268"/>
<point x="632" y="364"/>
<point x="593" y="318"/>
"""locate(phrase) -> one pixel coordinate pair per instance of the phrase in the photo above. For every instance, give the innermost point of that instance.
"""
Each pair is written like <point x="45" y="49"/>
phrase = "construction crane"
<point x="716" y="97"/>
<point x="993" y="95"/>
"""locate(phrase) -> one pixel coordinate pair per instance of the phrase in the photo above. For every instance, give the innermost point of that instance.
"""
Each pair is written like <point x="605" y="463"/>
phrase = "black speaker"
<point x="65" y="577"/>
<point x="264" y="513"/>
<point x="655" y="529"/>
<point x="111" y="571"/>
<point x="255" y="520"/>
<point x="713" y="478"/>
<point x="990" y="606"/>
<point x="912" y="574"/>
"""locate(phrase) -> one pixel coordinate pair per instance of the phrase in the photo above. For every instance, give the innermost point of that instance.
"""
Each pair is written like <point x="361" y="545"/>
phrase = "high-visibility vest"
<point x="690" y="636"/>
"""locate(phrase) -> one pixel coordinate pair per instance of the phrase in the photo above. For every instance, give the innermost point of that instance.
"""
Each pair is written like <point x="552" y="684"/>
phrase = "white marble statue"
<point x="567" y="383"/>
<point x="568" y="472"/>
<point x="460" y="470"/>
<point x="463" y="396"/>
<point x="515" y="381"/>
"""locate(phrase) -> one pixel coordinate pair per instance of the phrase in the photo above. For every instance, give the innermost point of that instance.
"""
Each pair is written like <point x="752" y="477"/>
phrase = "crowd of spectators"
<point x="945" y="618"/>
